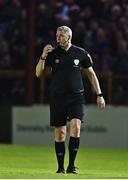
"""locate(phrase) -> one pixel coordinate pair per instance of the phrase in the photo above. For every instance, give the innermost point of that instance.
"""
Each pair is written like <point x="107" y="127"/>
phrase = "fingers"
<point x="102" y="105"/>
<point x="101" y="102"/>
<point x="48" y="48"/>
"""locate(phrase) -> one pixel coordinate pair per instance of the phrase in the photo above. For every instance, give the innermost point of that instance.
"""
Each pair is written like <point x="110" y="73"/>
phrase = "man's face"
<point x="62" y="38"/>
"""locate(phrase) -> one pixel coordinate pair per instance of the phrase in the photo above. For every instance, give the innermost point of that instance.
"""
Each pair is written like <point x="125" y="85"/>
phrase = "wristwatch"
<point x="100" y="95"/>
<point x="43" y="59"/>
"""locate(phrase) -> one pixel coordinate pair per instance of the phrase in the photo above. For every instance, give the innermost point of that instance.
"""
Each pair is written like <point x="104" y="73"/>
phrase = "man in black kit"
<point x="67" y="98"/>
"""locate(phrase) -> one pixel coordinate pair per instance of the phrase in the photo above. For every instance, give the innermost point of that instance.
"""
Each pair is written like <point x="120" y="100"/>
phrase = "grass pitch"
<point x="17" y="161"/>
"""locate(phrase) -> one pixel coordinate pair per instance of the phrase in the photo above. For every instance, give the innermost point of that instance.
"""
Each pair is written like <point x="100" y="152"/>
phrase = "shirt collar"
<point x="63" y="50"/>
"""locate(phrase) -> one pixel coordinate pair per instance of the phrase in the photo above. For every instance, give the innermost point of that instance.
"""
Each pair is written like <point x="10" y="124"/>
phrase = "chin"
<point x="61" y="45"/>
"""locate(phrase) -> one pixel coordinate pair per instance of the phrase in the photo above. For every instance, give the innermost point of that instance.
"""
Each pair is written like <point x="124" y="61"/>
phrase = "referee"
<point x="67" y="92"/>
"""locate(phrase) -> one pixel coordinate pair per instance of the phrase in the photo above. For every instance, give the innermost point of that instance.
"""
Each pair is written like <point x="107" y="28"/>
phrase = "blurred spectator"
<point x="100" y="26"/>
<point x="79" y="34"/>
<point x="5" y="60"/>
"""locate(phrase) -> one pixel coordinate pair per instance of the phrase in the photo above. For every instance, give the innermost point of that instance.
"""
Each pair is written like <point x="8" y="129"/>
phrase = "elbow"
<point x="38" y="74"/>
<point x="39" y="70"/>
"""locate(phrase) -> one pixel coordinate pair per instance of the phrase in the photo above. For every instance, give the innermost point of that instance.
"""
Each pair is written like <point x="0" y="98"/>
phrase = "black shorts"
<point x="63" y="108"/>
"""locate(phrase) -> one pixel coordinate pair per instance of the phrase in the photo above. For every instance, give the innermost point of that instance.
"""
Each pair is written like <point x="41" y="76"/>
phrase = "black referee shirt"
<point x="66" y="74"/>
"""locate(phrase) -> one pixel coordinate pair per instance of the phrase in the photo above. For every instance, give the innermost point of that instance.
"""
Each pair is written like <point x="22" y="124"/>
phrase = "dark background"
<point x="100" y="26"/>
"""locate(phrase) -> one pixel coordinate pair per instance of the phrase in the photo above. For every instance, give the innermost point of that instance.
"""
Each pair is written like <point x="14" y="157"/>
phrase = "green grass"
<point x="18" y="161"/>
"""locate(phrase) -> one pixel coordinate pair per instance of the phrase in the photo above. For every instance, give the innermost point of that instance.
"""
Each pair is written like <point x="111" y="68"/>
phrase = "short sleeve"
<point x="86" y="60"/>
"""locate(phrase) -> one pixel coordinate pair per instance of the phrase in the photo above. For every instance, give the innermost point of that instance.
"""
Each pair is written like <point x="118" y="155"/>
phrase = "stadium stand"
<point x="99" y="26"/>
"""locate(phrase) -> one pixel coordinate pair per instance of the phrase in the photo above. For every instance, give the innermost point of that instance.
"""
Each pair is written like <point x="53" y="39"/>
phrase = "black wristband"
<point x="43" y="59"/>
<point x="100" y="95"/>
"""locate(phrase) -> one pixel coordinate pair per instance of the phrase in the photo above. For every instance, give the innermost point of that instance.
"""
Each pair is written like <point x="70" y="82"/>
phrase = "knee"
<point x="60" y="134"/>
<point x="75" y="128"/>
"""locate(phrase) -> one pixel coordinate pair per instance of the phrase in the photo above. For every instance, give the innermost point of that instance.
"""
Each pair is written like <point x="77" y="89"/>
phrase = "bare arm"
<point x="40" y="66"/>
<point x="95" y="83"/>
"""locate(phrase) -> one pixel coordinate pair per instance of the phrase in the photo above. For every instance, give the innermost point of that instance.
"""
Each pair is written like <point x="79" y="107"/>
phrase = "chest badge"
<point x="76" y="61"/>
<point x="57" y="61"/>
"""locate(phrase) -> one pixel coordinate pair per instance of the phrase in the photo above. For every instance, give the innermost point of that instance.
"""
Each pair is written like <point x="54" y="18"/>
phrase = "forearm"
<point x="94" y="81"/>
<point x="40" y="67"/>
